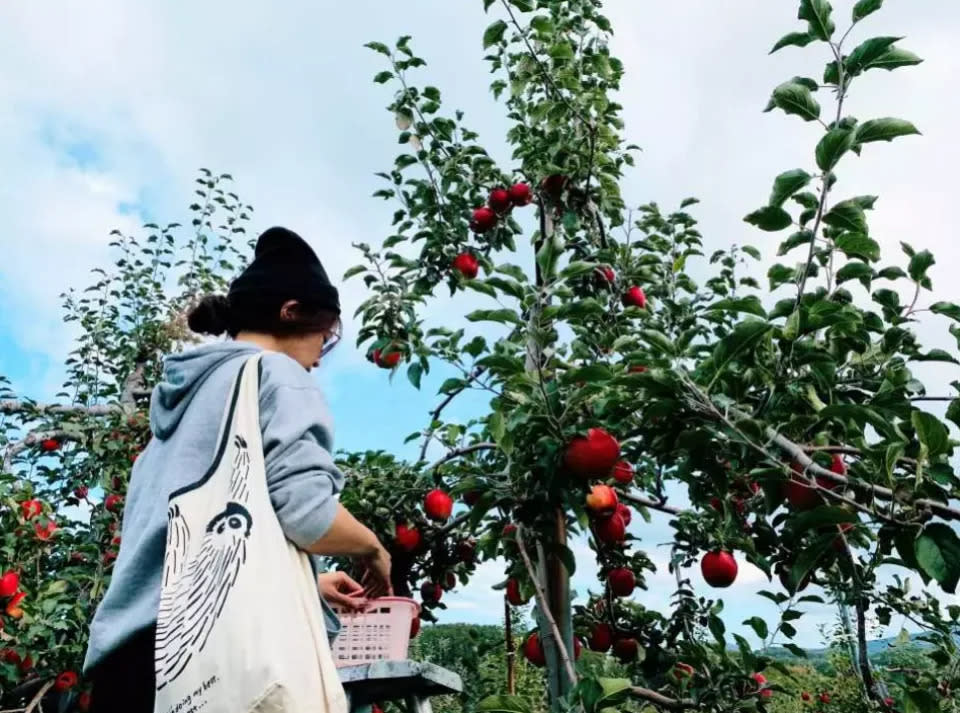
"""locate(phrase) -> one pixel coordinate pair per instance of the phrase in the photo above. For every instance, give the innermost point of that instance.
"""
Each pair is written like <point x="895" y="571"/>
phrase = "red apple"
<point x="824" y="698"/>
<point x="449" y="581"/>
<point x="471" y="497"/>
<point x="593" y="455"/>
<point x="805" y="696"/>
<point x="414" y="627"/>
<point x="520" y="194"/>
<point x="888" y="702"/>
<point x="533" y="651"/>
<point x="9" y="584"/>
<point x="626" y="649"/>
<point x="26" y="664"/>
<point x="514" y="595"/>
<point x="719" y="568"/>
<point x="553" y="185"/>
<point x="622" y="582"/>
<point x="45" y="532"/>
<point x="31" y="509"/>
<point x="467" y="265"/>
<point x="407" y="538"/>
<point x="577" y="649"/>
<point x="10" y="656"/>
<point x="606" y="275"/>
<point x="438" y="505"/>
<point x="65" y="681"/>
<point x="466" y="551"/>
<point x="49" y="445"/>
<point x="83" y="702"/>
<point x="761" y="681"/>
<point x="637" y="369"/>
<point x="113" y="503"/>
<point x="81" y="492"/>
<point x="625" y="514"/>
<point x="14" y="611"/>
<point x="602" y="500"/>
<point x="682" y="671"/>
<point x="483" y="220"/>
<point x="601" y="638"/>
<point x="622" y="472"/>
<point x="386" y="360"/>
<point x="801" y="497"/>
<point x="634" y="297"/>
<point x="509" y="530"/>
<point x="716" y="504"/>
<point x="499" y="200"/>
<point x="611" y="531"/>
<point x="431" y="592"/>
<point x="837" y="465"/>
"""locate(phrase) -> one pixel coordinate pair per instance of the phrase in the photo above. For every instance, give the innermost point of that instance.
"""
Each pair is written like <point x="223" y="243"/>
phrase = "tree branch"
<point x="460" y="452"/>
<point x="32" y="439"/>
<point x="541" y="597"/>
<point x="646" y="502"/>
<point x="435" y="415"/>
<point x="658" y="699"/>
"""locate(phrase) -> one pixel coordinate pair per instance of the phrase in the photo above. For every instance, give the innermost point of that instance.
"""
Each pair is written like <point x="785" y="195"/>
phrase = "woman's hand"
<point x="376" y="580"/>
<point x="340" y="589"/>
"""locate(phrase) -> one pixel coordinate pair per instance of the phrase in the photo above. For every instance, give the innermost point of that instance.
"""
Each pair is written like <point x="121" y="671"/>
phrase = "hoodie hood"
<point x="183" y="377"/>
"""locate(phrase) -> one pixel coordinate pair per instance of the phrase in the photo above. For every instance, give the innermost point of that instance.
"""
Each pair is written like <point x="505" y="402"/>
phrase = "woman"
<point x="284" y="305"/>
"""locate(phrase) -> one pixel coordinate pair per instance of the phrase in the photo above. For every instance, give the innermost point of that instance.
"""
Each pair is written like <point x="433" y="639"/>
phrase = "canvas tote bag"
<point x="240" y="626"/>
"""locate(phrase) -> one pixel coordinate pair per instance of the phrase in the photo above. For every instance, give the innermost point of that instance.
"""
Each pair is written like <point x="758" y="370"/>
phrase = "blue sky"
<point x="110" y="108"/>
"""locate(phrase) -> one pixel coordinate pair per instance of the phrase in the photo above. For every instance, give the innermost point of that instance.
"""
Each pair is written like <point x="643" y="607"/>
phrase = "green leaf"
<point x="504" y="704"/>
<point x="780" y="275"/>
<point x="548" y="254"/>
<point x="834" y="144"/>
<point x="937" y="550"/>
<point x="770" y="218"/>
<point x="795" y="650"/>
<point x="919" y="264"/>
<point x="355" y="270"/>
<point x="947" y="309"/>
<point x="802" y="237"/>
<point x="794" y="39"/>
<point x="523" y="5"/>
<point x="562" y="51"/>
<point x="542" y="23"/>
<point x="883" y="130"/>
<point x="817" y="14"/>
<point x="383" y="77"/>
<point x="893" y="59"/>
<point x="795" y="98"/>
<point x="920" y="700"/>
<point x="750" y="304"/>
<point x="504" y="316"/>
<point x="854" y="245"/>
<point x="847" y="215"/>
<point x="378" y="47"/>
<point x="590" y="374"/>
<point x="866" y="52"/>
<point x="854" y="271"/>
<point x="953" y="412"/>
<point x="759" y="626"/>
<point x="932" y="434"/>
<point x="658" y="340"/>
<point x="614" y="691"/>
<point x="751" y="251"/>
<point x="809" y="557"/>
<point x="742" y="338"/>
<point x="788" y="183"/>
<point x="821" y="515"/>
<point x="864" y="8"/>
<point x="494" y="33"/>
<point x="414" y="373"/>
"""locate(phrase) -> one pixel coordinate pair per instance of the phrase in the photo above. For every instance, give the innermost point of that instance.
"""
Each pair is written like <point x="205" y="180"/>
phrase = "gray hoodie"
<point x="185" y="415"/>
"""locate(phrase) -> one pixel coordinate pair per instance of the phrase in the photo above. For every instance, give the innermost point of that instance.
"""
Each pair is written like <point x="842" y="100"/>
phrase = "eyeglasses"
<point x="332" y="340"/>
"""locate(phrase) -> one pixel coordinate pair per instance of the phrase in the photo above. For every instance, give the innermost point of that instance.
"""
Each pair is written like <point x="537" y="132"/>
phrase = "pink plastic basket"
<point x="381" y="632"/>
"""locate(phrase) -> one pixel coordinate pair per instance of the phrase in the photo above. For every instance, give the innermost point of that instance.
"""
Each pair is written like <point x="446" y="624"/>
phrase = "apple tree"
<point x="794" y="423"/>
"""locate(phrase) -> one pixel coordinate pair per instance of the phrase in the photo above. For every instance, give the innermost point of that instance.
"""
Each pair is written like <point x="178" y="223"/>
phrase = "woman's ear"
<point x="289" y="311"/>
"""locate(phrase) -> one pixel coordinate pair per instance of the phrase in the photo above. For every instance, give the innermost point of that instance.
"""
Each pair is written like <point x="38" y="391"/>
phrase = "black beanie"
<point x="284" y="267"/>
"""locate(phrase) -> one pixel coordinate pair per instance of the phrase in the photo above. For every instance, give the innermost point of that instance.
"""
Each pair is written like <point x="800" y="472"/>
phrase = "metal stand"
<point x="413" y="682"/>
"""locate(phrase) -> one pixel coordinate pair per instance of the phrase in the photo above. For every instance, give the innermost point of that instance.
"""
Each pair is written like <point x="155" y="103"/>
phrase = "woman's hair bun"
<point x="210" y="316"/>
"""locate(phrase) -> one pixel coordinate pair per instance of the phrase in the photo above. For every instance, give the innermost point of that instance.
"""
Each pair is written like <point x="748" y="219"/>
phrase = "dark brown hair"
<point x="217" y="314"/>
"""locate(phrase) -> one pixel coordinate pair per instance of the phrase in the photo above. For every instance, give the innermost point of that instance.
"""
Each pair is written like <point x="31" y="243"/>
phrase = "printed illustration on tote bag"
<point x="189" y="610"/>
